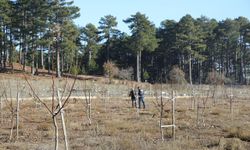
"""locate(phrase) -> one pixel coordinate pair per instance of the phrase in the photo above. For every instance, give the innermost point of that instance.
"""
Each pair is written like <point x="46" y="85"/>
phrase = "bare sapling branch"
<point x="36" y="96"/>
<point x="67" y="99"/>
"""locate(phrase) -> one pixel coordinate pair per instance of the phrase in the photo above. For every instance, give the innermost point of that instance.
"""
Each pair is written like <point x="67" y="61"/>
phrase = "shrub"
<point x="92" y="67"/>
<point x="146" y="75"/>
<point x="110" y="69"/>
<point x="126" y="73"/>
<point x="74" y="70"/>
<point x="177" y="76"/>
<point x="238" y="132"/>
<point x="43" y="127"/>
<point x="214" y="77"/>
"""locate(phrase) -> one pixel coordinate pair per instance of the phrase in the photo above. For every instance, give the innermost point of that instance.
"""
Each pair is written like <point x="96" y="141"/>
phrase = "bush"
<point x="126" y="74"/>
<point x="110" y="69"/>
<point x="74" y="70"/>
<point x="217" y="78"/>
<point x="146" y="75"/>
<point x="92" y="67"/>
<point x="177" y="76"/>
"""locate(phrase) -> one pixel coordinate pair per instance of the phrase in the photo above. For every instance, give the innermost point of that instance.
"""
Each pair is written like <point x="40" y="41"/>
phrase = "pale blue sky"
<point x="159" y="10"/>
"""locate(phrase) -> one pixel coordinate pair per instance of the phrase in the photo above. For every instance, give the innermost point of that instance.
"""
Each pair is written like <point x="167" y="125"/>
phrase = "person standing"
<point x="141" y="98"/>
<point x="132" y="96"/>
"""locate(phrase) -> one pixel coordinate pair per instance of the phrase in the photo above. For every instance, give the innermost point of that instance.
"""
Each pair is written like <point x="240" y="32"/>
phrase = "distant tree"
<point x="69" y="46"/>
<point x="244" y="38"/>
<point x="189" y="40"/>
<point x="165" y="54"/>
<point x="108" y="30"/>
<point x="143" y="37"/>
<point x="89" y="34"/>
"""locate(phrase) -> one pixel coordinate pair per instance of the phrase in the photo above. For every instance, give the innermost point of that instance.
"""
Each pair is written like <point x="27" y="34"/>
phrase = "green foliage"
<point x="92" y="67"/>
<point x="108" y="32"/>
<point x="143" y="37"/>
<point x="89" y="34"/>
<point x="143" y="33"/>
<point x="146" y="75"/>
<point x="32" y="28"/>
<point x="74" y="70"/>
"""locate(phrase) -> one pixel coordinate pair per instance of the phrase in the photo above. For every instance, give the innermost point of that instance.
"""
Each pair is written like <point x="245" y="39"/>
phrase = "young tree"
<point x="143" y="37"/>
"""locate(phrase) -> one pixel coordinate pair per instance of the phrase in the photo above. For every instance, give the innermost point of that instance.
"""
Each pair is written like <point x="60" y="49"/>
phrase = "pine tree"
<point x="143" y="37"/>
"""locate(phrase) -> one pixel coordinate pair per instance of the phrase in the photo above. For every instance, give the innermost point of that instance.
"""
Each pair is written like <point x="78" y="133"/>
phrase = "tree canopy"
<point x="42" y="34"/>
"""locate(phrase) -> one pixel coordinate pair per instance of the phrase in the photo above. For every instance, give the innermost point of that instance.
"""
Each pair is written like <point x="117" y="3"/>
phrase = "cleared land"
<point x="115" y="125"/>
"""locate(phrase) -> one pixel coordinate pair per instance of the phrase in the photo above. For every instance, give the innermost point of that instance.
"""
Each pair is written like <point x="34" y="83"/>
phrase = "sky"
<point x="158" y="10"/>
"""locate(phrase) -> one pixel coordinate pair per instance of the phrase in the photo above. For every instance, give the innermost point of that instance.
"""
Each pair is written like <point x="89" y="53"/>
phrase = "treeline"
<point x="42" y="34"/>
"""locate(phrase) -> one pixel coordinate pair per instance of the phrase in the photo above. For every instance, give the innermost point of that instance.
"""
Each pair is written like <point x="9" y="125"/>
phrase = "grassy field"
<point x="115" y="125"/>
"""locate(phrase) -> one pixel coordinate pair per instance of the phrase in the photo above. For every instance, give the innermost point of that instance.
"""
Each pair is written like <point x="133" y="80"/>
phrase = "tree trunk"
<point x="17" y="116"/>
<point x="62" y="64"/>
<point x="190" y="70"/>
<point x="58" y="70"/>
<point x="235" y="66"/>
<point x="90" y="57"/>
<point x="241" y="75"/>
<point x="12" y="125"/>
<point x="138" y="67"/>
<point x="33" y="63"/>
<point x="42" y="61"/>
<point x="49" y="55"/>
<point x="24" y="56"/>
<point x="55" y="132"/>
<point x="4" y="54"/>
<point x="20" y="49"/>
<point x="11" y="51"/>
<point x="1" y="48"/>
<point x="200" y="72"/>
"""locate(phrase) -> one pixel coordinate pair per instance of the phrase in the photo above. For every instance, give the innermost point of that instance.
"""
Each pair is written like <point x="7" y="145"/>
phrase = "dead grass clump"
<point x="216" y="112"/>
<point x="245" y="135"/>
<point x="231" y="144"/>
<point x="127" y="143"/>
<point x="75" y="126"/>
<point x="238" y="132"/>
<point x="210" y="142"/>
<point x="43" y="127"/>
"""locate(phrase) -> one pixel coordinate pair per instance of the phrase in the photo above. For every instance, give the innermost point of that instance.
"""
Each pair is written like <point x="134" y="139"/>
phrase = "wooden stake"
<point x="17" y="116"/>
<point x="1" y="109"/>
<point x="173" y="115"/>
<point x="89" y="108"/>
<point x="161" y="115"/>
<point x="63" y="121"/>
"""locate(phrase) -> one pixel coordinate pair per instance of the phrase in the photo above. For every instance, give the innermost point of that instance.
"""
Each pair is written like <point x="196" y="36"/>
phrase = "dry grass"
<point x="242" y="133"/>
<point x="118" y="126"/>
<point x="43" y="127"/>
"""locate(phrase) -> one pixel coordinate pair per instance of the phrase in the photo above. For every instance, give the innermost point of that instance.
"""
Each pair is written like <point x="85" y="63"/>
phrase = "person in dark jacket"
<point x="141" y="98"/>
<point x="133" y="98"/>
